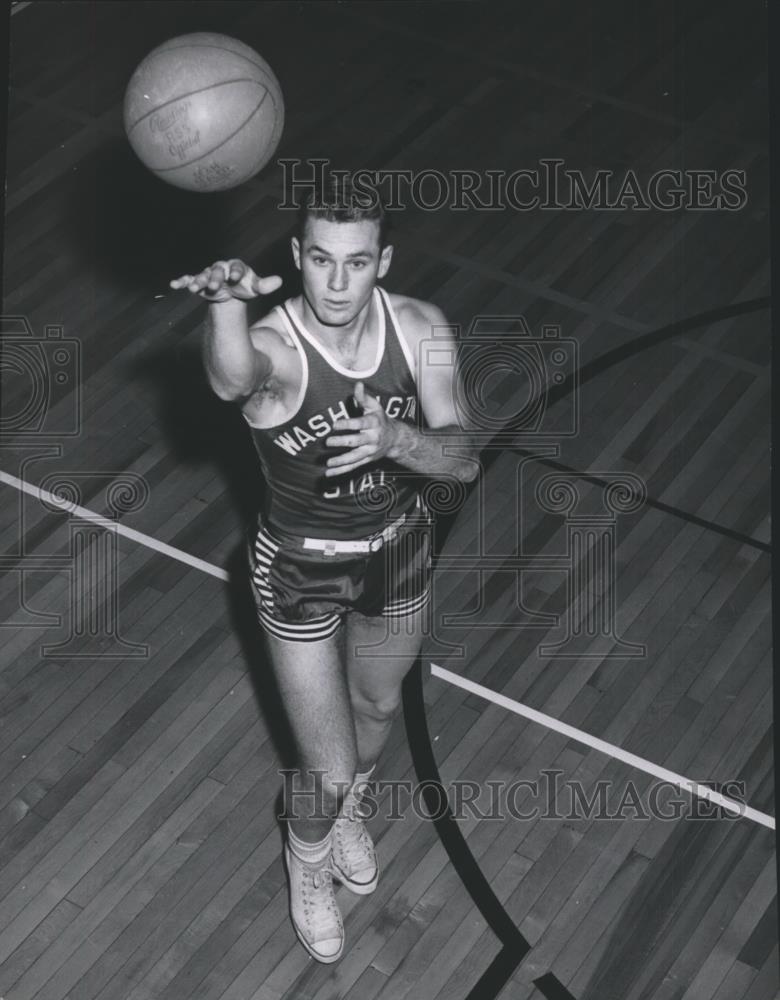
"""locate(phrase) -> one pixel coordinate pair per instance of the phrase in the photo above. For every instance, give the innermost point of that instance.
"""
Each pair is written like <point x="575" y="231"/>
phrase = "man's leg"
<point x="313" y="688"/>
<point x="375" y="675"/>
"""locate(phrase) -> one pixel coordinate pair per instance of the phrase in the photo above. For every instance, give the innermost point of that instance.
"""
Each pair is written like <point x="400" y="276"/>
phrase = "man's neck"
<point x="345" y="339"/>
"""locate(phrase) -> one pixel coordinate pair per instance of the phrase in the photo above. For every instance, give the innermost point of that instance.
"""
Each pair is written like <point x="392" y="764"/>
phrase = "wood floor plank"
<point x="765" y="985"/>
<point x="104" y="821"/>
<point x="168" y="890"/>
<point x="56" y="963"/>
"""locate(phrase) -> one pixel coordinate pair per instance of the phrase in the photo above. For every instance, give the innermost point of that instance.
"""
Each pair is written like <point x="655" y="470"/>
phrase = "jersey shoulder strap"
<point x="398" y="339"/>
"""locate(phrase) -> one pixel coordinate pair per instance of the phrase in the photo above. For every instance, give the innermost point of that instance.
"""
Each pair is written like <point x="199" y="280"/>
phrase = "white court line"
<point x="731" y="805"/>
<point x="67" y="507"/>
<point x="703" y="792"/>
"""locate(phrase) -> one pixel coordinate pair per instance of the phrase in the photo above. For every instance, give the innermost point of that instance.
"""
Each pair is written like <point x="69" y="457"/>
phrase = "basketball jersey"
<point x="300" y="499"/>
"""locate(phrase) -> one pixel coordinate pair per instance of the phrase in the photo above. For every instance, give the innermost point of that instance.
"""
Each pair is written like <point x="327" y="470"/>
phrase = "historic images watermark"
<point x="41" y="411"/>
<point x="42" y="382"/>
<point x="549" y="185"/>
<point x="547" y="797"/>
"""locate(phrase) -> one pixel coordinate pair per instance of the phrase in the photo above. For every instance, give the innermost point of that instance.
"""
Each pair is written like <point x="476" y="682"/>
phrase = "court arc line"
<point x="514" y="946"/>
<point x="552" y="988"/>
<point x="631" y="348"/>
<point x="659" y="505"/>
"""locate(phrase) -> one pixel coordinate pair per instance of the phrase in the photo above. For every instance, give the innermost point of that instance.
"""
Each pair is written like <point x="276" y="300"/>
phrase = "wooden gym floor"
<point x="141" y="743"/>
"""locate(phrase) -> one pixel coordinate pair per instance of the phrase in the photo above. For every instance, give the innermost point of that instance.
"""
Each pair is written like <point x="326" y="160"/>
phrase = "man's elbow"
<point x="222" y="391"/>
<point x="470" y="469"/>
<point x="472" y="463"/>
<point x="229" y="393"/>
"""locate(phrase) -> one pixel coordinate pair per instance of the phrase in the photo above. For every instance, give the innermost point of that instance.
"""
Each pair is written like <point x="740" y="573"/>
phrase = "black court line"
<point x="665" y="508"/>
<point x="614" y="357"/>
<point x="551" y="988"/>
<point x="654" y="337"/>
<point x="514" y="946"/>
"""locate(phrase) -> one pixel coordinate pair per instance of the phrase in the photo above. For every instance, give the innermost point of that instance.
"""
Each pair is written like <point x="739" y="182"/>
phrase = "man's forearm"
<point x="228" y="354"/>
<point x="424" y="451"/>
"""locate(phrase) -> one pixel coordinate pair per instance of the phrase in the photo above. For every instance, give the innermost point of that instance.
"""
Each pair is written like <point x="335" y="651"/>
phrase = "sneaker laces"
<point x="318" y="901"/>
<point x="320" y="877"/>
<point x="354" y="843"/>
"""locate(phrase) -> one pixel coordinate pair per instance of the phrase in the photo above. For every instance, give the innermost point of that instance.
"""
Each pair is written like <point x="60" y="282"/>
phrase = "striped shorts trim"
<point x="273" y="567"/>
<point x="402" y="609"/>
<point x="265" y="550"/>
<point x="313" y="630"/>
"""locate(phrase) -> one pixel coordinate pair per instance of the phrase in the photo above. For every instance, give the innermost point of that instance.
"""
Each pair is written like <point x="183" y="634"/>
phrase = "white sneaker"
<point x="352" y="854"/>
<point x="313" y="908"/>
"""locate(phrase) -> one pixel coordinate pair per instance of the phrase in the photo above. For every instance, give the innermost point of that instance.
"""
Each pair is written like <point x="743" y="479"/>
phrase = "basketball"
<point x="204" y="112"/>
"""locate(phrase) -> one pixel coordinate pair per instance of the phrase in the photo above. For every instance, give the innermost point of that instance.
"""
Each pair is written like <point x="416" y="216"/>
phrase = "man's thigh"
<point x="312" y="683"/>
<point x="380" y="651"/>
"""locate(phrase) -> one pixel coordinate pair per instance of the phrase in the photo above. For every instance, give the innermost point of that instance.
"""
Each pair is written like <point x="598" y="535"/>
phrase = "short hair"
<point x="339" y="201"/>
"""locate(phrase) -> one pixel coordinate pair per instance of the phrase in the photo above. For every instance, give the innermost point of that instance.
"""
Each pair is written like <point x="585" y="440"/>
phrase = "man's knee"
<point x="380" y="709"/>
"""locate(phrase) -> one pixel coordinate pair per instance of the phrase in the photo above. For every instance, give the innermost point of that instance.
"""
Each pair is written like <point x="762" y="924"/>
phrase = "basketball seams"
<point x="210" y="152"/>
<point x="181" y="136"/>
<point x="220" y="48"/>
<point x="193" y="93"/>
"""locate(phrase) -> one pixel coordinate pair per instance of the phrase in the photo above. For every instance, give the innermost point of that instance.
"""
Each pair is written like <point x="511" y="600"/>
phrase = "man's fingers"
<point x="216" y="277"/>
<point x="345" y="440"/>
<point x="233" y="272"/>
<point x="368" y="402"/>
<point x="364" y="397"/>
<point x="351" y="424"/>
<point x="264" y="286"/>
<point x="330" y="473"/>
<point x="362" y="451"/>
<point x="237" y="272"/>
<point x="351" y="460"/>
<point x="199" y="282"/>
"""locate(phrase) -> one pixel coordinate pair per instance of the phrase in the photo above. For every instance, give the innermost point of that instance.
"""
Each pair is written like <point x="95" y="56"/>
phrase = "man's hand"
<point x="227" y="279"/>
<point x="369" y="437"/>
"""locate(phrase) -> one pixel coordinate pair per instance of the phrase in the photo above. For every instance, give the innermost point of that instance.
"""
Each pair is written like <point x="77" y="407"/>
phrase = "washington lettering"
<point x="322" y="424"/>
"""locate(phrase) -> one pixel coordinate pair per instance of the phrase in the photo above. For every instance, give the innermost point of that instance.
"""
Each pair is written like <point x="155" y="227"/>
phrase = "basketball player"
<point x="343" y="545"/>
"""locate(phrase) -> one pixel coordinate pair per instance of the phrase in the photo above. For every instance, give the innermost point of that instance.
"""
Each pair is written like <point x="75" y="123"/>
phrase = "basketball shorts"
<point x="302" y="594"/>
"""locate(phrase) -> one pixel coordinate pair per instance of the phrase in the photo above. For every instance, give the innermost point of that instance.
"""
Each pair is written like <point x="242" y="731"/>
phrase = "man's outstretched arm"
<point x="233" y="366"/>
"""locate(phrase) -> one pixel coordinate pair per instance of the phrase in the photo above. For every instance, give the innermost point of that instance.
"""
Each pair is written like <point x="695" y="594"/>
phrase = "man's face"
<point x="340" y="262"/>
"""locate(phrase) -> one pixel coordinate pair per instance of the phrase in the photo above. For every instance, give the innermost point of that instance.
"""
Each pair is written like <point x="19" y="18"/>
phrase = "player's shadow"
<point x="137" y="232"/>
<point x="199" y="429"/>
